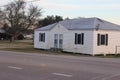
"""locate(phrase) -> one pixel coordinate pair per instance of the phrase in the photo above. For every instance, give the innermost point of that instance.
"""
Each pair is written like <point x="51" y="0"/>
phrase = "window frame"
<point x="41" y="37"/>
<point x="79" y="38"/>
<point x="102" y="39"/>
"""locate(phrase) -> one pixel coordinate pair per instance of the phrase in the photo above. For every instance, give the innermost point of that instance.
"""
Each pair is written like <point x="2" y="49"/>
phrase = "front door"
<point x="58" y="41"/>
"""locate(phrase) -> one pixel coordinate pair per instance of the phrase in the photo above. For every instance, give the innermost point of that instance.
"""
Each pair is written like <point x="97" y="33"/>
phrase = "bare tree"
<point x="19" y="17"/>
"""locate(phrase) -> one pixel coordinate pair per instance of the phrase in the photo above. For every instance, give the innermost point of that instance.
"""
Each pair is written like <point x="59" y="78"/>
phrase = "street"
<point x="32" y="66"/>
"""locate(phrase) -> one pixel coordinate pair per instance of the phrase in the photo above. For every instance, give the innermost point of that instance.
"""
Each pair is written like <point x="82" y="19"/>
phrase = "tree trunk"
<point x="12" y="39"/>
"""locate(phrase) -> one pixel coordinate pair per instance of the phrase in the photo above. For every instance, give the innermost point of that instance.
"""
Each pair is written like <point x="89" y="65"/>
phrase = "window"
<point x="56" y="40"/>
<point x="42" y="37"/>
<point x="102" y="39"/>
<point x="79" y="38"/>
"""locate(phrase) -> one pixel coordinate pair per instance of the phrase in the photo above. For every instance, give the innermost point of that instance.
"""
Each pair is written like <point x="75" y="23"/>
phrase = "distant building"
<point x="85" y="35"/>
<point x="30" y="32"/>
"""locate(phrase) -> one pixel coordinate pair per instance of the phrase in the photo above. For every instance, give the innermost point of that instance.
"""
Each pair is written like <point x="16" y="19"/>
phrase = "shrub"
<point x="20" y="37"/>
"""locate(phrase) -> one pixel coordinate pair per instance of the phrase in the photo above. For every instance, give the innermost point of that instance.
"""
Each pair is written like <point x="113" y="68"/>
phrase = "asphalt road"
<point x="27" y="66"/>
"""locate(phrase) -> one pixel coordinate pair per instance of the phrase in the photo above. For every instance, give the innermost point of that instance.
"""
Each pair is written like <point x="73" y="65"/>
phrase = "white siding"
<point x="49" y="37"/>
<point x="70" y="46"/>
<point x="113" y="41"/>
<point x="37" y="43"/>
<point x="90" y="40"/>
<point x="58" y="29"/>
<point x="68" y="40"/>
<point x="90" y="37"/>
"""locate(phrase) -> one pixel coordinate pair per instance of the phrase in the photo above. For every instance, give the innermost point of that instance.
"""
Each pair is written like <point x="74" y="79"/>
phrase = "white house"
<point x="84" y="35"/>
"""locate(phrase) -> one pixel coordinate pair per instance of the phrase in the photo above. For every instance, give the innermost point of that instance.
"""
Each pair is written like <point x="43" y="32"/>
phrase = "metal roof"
<point x="83" y="23"/>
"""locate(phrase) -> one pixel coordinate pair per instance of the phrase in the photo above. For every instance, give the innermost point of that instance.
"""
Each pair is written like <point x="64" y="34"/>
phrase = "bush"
<point x="110" y="54"/>
<point x="117" y="55"/>
<point x="20" y="37"/>
<point x="99" y="55"/>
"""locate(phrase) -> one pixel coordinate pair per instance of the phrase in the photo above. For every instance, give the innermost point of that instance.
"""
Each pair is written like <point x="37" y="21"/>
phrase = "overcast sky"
<point x="105" y="9"/>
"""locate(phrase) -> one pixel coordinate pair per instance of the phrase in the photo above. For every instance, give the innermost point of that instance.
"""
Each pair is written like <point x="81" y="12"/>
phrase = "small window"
<point x="42" y="37"/>
<point x="102" y="39"/>
<point x="79" y="38"/>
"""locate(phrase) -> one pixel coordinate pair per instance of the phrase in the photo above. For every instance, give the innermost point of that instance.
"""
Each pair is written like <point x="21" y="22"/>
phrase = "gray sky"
<point x="106" y="9"/>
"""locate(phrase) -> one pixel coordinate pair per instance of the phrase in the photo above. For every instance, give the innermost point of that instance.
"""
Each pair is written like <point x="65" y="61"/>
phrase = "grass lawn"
<point x="16" y="44"/>
<point x="19" y="45"/>
<point x="27" y="46"/>
<point x="23" y="46"/>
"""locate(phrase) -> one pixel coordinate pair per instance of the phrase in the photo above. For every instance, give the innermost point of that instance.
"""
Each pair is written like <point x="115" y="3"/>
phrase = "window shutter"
<point x="75" y="38"/>
<point x="79" y="39"/>
<point x="39" y="37"/>
<point x="98" y="40"/>
<point x="106" y="39"/>
<point x="44" y="37"/>
<point x="82" y="38"/>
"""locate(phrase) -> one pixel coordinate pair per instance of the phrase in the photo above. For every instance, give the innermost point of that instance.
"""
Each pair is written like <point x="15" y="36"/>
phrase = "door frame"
<point x="58" y="41"/>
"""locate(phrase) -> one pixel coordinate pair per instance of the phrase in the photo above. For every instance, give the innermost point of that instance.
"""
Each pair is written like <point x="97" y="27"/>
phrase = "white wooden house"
<point x="84" y="35"/>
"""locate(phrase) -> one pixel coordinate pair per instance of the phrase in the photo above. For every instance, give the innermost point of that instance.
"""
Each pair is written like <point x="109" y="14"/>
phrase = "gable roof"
<point x="49" y="27"/>
<point x="83" y="24"/>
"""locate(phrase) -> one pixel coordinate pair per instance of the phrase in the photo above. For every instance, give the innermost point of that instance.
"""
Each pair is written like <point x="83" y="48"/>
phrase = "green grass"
<point x="16" y="44"/>
<point x="4" y="45"/>
<point x="23" y="46"/>
<point x="27" y="46"/>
